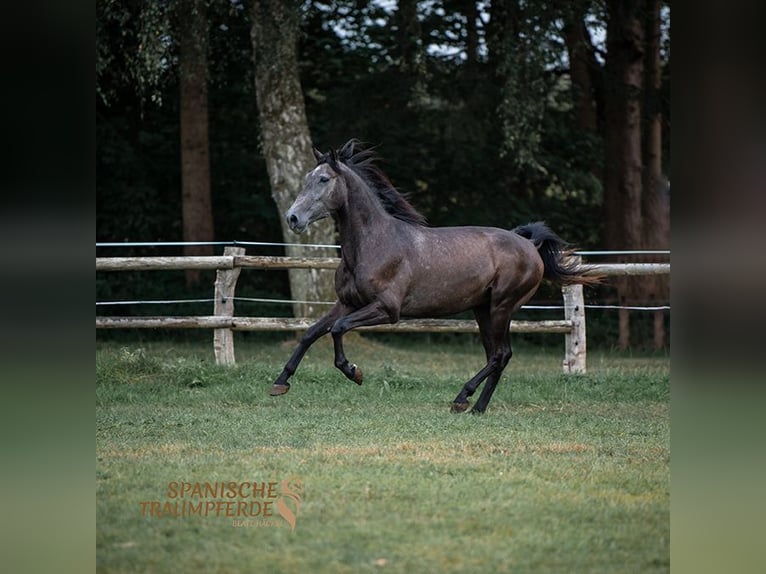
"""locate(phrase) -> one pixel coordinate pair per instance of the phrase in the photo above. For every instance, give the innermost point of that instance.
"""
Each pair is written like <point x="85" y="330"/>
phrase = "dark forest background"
<point x="489" y="113"/>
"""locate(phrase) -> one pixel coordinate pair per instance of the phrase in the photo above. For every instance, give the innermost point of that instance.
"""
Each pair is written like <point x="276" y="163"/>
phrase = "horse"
<point x="394" y="266"/>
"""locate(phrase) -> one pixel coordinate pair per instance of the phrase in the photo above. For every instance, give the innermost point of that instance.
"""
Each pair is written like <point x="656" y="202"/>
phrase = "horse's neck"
<point x="362" y="222"/>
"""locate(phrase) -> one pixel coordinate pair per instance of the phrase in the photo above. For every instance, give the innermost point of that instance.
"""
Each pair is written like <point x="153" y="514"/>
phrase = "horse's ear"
<point x="318" y="155"/>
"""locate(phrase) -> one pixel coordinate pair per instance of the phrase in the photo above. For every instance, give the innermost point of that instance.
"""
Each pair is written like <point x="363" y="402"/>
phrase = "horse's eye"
<point x="324" y="179"/>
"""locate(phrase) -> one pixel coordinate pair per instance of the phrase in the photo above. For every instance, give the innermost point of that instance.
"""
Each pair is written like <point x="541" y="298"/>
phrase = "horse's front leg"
<point x="317" y="330"/>
<point x="374" y="314"/>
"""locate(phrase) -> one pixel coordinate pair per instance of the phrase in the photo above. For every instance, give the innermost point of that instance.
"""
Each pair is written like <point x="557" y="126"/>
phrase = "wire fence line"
<point x="292" y="301"/>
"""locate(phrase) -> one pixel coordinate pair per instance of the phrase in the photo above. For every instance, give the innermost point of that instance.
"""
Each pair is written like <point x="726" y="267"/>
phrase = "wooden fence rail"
<point x="268" y="262"/>
<point x="301" y="324"/>
<point x="229" y="265"/>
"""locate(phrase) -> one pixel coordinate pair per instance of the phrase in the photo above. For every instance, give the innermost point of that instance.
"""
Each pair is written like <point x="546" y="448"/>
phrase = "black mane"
<point x="362" y="163"/>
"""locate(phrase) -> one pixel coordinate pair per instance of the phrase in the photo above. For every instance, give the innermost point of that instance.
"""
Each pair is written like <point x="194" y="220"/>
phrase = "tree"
<point x="286" y="139"/>
<point x="623" y="168"/>
<point x="412" y="58"/>
<point x="655" y="202"/>
<point x="138" y="47"/>
<point x="474" y="106"/>
<point x="196" y="202"/>
<point x="582" y="65"/>
<point x="637" y="210"/>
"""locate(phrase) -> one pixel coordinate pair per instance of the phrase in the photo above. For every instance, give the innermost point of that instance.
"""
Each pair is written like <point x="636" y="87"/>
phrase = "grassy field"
<point x="562" y="474"/>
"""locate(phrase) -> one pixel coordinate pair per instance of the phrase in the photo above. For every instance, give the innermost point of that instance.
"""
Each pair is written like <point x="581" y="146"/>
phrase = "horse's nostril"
<point x="292" y="220"/>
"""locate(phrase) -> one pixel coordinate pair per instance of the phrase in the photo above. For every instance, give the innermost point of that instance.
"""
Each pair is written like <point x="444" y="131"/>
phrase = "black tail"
<point x="555" y="253"/>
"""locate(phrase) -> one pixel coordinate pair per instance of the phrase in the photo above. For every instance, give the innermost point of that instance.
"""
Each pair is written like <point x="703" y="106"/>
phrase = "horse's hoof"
<point x="358" y="377"/>
<point x="277" y="390"/>
<point x="459" y="407"/>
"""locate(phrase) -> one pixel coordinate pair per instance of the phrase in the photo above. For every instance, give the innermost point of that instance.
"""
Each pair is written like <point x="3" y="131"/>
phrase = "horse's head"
<point x="323" y="193"/>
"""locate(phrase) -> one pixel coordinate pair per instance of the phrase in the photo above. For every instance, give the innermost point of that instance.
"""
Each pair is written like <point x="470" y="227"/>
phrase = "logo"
<point x="248" y="504"/>
<point x="291" y="492"/>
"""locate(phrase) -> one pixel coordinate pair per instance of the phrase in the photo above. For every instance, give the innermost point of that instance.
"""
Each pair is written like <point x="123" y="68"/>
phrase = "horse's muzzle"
<point x="295" y="224"/>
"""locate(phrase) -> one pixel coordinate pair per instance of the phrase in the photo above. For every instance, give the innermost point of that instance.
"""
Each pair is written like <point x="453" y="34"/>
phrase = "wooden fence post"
<point x="225" y="286"/>
<point x="575" y="348"/>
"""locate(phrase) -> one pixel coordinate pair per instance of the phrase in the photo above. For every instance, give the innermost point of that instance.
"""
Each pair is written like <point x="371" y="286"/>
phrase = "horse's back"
<point x="479" y="243"/>
<point x="457" y="268"/>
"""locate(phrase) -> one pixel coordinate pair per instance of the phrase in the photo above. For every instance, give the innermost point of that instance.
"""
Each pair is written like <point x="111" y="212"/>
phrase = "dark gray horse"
<point x="393" y="266"/>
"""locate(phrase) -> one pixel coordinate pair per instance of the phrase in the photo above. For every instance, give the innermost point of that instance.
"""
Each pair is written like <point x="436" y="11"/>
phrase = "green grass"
<point x="562" y="474"/>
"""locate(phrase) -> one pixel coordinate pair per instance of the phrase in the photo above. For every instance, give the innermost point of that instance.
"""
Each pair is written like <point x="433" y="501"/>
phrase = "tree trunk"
<point x="623" y="165"/>
<point x="412" y="63"/>
<point x="286" y="142"/>
<point x="655" y="202"/>
<point x="579" y="49"/>
<point x="471" y="40"/>
<point x="494" y="35"/>
<point x="197" y="210"/>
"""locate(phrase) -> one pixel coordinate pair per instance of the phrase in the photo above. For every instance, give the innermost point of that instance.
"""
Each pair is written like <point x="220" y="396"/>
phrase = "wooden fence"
<point x="229" y="265"/>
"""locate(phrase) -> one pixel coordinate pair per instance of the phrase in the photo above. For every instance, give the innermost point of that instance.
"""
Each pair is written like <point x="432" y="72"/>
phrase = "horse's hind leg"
<point x="504" y="357"/>
<point x="461" y="404"/>
<point x="499" y="339"/>
<point x="317" y="330"/>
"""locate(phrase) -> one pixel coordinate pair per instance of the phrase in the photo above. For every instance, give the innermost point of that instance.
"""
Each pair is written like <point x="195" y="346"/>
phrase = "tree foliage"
<point x="472" y="105"/>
